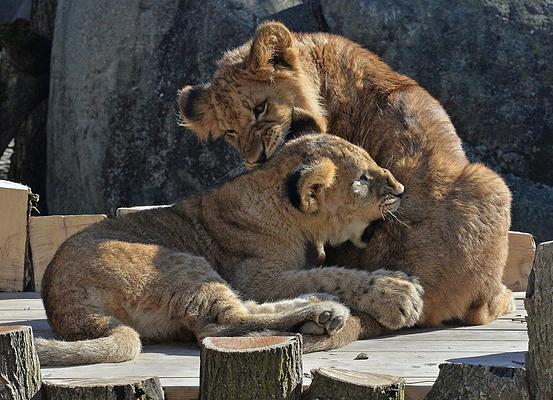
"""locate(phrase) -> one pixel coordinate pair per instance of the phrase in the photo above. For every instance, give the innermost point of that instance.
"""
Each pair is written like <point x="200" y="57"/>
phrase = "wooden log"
<point x="14" y="203"/>
<point x="241" y="368"/>
<point x="539" y="305"/>
<point x="19" y="366"/>
<point x="522" y="250"/>
<point x="48" y="233"/>
<point x="476" y="382"/>
<point x="129" y="210"/>
<point x="341" y="384"/>
<point x="131" y="388"/>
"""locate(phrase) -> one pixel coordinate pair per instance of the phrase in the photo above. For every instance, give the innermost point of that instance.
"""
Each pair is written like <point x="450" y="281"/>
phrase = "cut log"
<point x="129" y="210"/>
<point x="522" y="250"/>
<point x="48" y="233"/>
<point x="341" y="384"/>
<point x="14" y="203"/>
<point x="476" y="382"/>
<point x="539" y="305"/>
<point x="241" y="368"/>
<point x="19" y="367"/>
<point x="131" y="388"/>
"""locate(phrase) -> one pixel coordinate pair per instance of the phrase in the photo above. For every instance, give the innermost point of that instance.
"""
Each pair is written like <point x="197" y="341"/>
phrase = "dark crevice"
<point x="317" y="10"/>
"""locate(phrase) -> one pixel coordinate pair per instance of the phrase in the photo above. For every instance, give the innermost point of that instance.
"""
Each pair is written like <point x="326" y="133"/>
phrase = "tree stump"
<point x="131" y="388"/>
<point x="19" y="367"/>
<point x="341" y="384"/>
<point x="241" y="368"/>
<point x="476" y="382"/>
<point x="539" y="305"/>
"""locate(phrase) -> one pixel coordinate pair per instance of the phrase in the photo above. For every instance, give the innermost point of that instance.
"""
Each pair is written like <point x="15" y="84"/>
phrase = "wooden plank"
<point x="48" y="233"/>
<point x="418" y="354"/>
<point x="129" y="210"/>
<point x="14" y="203"/>
<point x="522" y="250"/>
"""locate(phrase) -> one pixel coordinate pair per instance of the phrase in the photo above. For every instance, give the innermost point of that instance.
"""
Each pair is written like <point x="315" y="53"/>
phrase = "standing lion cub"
<point x="167" y="273"/>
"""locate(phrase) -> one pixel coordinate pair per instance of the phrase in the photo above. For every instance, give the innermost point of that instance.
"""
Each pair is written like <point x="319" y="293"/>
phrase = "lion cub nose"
<point x="400" y="189"/>
<point x="396" y="188"/>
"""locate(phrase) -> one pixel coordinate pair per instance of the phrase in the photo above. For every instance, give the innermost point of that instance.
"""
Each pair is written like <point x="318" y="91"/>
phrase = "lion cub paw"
<point x="325" y="315"/>
<point x="396" y="300"/>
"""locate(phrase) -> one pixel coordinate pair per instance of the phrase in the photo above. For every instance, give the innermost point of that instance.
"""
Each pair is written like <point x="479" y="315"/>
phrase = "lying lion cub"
<point x="166" y="274"/>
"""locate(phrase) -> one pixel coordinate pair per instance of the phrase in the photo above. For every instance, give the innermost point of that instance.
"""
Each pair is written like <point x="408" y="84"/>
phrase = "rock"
<point x="532" y="207"/>
<point x="361" y="356"/>
<point x="24" y="86"/>
<point x="532" y="202"/>
<point x="9" y="9"/>
<point x="113" y="138"/>
<point x="489" y="63"/>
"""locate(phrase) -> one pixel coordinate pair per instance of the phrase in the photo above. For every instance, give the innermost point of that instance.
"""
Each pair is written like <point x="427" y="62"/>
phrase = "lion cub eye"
<point x="260" y="109"/>
<point x="366" y="178"/>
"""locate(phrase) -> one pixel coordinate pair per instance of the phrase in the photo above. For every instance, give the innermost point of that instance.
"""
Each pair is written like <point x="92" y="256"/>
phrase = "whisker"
<point x="233" y="172"/>
<point x="398" y="220"/>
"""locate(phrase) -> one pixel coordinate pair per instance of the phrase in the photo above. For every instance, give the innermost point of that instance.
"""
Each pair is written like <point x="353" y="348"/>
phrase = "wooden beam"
<point x="20" y="375"/>
<point x="268" y="367"/>
<point x="48" y="233"/>
<point x="539" y="305"/>
<point x="129" y="210"/>
<point x="14" y="203"/>
<point x="522" y="249"/>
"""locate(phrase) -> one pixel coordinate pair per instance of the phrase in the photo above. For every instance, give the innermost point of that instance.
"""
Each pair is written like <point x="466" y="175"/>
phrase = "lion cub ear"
<point x="272" y="52"/>
<point x="195" y="110"/>
<point x="307" y="185"/>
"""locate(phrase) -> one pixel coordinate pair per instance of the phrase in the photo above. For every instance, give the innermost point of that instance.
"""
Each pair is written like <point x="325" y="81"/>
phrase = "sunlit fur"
<point x="164" y="274"/>
<point x="453" y="226"/>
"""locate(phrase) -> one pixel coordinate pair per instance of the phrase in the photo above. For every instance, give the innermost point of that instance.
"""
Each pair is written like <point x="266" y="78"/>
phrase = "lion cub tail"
<point x="121" y="344"/>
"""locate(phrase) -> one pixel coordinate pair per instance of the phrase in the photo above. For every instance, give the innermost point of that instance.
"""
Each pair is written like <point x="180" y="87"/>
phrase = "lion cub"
<point x="166" y="274"/>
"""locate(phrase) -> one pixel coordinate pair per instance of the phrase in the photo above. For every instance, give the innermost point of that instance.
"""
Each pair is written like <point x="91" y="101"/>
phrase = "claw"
<point x="324" y="317"/>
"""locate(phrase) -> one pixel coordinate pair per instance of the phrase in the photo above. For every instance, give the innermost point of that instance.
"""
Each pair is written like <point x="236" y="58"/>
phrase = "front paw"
<point x="394" y="299"/>
<point x="326" y="317"/>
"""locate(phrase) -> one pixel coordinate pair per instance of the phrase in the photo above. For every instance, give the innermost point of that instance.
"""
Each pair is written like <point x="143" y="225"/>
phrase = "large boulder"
<point x="489" y="63"/>
<point x="113" y="138"/>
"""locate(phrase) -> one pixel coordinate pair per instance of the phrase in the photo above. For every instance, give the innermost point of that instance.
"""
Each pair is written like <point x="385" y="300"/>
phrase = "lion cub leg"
<point x="486" y="311"/>
<point x="228" y="315"/>
<point x="330" y="320"/>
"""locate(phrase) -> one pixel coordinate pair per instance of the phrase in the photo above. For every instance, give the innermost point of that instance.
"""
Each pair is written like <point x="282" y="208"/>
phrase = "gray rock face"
<point x="113" y="137"/>
<point x="10" y="9"/>
<point x="489" y="64"/>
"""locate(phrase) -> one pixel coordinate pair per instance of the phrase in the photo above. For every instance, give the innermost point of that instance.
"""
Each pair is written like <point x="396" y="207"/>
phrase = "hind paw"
<point x="327" y="317"/>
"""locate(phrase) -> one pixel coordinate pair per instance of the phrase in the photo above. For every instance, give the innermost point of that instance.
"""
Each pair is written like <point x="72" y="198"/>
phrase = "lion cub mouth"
<point x="389" y="203"/>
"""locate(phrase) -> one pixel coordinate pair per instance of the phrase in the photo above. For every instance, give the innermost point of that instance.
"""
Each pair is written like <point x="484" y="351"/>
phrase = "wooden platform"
<point x="413" y="354"/>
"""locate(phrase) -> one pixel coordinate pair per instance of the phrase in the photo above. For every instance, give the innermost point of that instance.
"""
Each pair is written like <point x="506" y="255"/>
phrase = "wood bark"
<point x="241" y="368"/>
<point x="476" y="382"/>
<point x="19" y="367"/>
<point x="539" y="305"/>
<point x="341" y="384"/>
<point x="131" y="388"/>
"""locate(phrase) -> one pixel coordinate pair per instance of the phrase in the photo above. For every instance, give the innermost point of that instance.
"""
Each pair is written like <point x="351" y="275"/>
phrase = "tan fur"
<point x="456" y="215"/>
<point x="166" y="274"/>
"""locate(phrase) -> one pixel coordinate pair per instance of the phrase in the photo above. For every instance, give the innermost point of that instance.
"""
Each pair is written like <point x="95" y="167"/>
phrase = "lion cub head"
<point x="337" y="186"/>
<point x="257" y="92"/>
